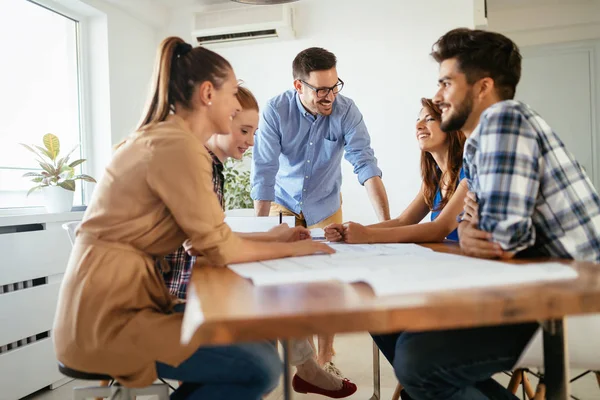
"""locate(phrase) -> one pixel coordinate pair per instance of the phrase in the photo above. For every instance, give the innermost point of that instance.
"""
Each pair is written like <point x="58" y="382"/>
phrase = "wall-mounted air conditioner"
<point x="243" y="23"/>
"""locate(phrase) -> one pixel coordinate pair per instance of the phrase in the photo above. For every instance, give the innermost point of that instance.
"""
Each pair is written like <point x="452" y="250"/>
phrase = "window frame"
<point x="82" y="60"/>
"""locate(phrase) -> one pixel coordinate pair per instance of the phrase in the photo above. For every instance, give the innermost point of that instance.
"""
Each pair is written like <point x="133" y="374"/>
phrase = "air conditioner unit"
<point x="243" y="23"/>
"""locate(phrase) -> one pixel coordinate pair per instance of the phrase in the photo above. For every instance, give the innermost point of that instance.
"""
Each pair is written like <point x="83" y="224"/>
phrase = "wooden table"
<point x="233" y="310"/>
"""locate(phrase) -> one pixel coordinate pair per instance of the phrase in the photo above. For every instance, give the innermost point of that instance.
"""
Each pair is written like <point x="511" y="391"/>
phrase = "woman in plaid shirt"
<point x="221" y="147"/>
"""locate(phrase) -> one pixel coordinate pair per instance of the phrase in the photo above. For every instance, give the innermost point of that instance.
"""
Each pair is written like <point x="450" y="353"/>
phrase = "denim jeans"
<point x="455" y="364"/>
<point x="245" y="371"/>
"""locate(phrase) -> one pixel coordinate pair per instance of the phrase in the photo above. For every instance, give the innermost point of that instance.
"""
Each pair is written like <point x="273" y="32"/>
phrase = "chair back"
<point x="583" y="344"/>
<point x="70" y="228"/>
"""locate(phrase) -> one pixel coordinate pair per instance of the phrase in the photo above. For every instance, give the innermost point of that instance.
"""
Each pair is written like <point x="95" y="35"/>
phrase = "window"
<point x="40" y="93"/>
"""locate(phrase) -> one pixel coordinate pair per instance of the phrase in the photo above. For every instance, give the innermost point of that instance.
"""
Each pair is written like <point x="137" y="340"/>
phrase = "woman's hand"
<point x="334" y="232"/>
<point x="308" y="247"/>
<point x="357" y="233"/>
<point x="187" y="245"/>
<point x="283" y="233"/>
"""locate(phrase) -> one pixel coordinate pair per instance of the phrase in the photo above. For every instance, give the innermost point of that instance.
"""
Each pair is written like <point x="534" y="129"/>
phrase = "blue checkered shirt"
<point x="532" y="193"/>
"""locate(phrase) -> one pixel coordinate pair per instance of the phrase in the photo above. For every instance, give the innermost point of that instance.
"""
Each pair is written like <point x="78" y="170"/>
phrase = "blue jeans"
<point x="245" y="371"/>
<point x="455" y="364"/>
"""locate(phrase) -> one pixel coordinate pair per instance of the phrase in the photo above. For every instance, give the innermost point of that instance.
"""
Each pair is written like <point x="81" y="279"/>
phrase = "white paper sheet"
<point x="382" y="249"/>
<point x="317" y="234"/>
<point x="400" y="269"/>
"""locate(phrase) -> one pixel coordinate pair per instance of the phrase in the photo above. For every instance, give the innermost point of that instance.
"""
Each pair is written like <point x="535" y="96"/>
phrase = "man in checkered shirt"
<point x="533" y="197"/>
<point x="529" y="197"/>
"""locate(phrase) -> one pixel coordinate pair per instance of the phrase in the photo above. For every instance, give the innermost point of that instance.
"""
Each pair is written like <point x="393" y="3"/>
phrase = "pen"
<point x="280" y="218"/>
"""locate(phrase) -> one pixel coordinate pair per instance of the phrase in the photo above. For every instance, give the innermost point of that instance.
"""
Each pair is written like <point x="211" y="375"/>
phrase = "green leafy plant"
<point x="55" y="171"/>
<point x="237" y="183"/>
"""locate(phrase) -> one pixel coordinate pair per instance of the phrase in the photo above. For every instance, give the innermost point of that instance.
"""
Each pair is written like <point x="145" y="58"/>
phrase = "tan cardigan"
<point x="113" y="308"/>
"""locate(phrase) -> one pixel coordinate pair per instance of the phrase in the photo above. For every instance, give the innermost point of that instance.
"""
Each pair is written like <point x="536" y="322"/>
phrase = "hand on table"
<point x="283" y="233"/>
<point x="477" y="243"/>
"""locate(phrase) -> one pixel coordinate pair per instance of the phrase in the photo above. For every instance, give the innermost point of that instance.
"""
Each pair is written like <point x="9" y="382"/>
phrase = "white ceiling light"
<point x="263" y="2"/>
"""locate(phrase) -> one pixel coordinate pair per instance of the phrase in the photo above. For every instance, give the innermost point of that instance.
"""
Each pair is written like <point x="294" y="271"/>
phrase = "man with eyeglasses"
<point x="298" y="148"/>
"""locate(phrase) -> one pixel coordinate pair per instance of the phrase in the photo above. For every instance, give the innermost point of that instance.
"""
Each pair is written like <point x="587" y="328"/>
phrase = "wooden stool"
<point x="396" y="395"/>
<point x="114" y="392"/>
<point x="519" y="377"/>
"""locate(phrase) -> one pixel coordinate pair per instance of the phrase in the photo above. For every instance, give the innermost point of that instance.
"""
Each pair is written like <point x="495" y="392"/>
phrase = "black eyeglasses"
<point x="324" y="92"/>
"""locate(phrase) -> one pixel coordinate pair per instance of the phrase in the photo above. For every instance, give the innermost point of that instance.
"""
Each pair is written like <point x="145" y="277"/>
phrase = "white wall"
<point x="128" y="58"/>
<point x="383" y="56"/>
<point x="535" y="22"/>
<point x="564" y="31"/>
<point x="118" y="50"/>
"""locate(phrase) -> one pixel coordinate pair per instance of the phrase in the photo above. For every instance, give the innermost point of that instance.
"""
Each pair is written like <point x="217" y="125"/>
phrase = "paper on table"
<point x="400" y="270"/>
<point x="418" y="274"/>
<point x="379" y="249"/>
<point x="317" y="234"/>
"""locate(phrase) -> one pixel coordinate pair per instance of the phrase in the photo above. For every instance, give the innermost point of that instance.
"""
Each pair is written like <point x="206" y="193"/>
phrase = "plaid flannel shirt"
<point x="532" y="193"/>
<point x="180" y="261"/>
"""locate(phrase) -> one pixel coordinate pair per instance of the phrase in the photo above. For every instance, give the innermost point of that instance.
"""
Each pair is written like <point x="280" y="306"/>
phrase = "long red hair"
<point x="431" y="174"/>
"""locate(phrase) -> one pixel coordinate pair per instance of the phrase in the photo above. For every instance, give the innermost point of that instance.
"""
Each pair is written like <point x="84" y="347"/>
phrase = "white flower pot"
<point x="57" y="199"/>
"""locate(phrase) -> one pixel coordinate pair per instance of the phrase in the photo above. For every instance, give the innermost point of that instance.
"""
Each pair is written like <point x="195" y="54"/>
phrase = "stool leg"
<point x="160" y="390"/>
<point x="515" y="381"/>
<point x="396" y="395"/>
<point x="540" y="392"/>
<point x="102" y="383"/>
<point x="163" y="392"/>
<point x="122" y="393"/>
<point x="83" y="393"/>
<point x="528" y="388"/>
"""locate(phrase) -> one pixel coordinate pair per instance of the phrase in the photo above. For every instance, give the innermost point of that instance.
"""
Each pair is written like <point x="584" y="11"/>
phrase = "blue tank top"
<point x="436" y="202"/>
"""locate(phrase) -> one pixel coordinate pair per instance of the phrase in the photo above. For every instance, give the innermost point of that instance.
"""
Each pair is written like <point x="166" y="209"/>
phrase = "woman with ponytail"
<point x="115" y="315"/>
<point x="442" y="193"/>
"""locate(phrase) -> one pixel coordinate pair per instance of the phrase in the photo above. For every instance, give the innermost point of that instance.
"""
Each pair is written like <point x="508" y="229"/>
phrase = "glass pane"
<point x="40" y="90"/>
<point x="14" y="188"/>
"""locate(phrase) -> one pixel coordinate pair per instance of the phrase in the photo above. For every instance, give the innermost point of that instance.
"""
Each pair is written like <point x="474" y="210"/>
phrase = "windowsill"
<point x="10" y="217"/>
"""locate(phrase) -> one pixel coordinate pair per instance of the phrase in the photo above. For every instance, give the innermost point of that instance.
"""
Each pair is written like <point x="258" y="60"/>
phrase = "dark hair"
<point x="312" y="59"/>
<point x="246" y="99"/>
<point x="431" y="174"/>
<point x="482" y="54"/>
<point x="178" y="68"/>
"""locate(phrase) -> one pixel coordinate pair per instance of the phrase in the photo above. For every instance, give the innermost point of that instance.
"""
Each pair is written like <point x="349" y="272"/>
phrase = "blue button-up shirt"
<point x="297" y="156"/>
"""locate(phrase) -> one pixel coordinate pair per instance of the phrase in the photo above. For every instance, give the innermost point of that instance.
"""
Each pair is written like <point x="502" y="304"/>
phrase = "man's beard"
<point x="458" y="119"/>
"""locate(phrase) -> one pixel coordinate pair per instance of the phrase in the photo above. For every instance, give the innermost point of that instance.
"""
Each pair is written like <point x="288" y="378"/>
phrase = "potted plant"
<point x="237" y="183"/>
<point x="57" y="178"/>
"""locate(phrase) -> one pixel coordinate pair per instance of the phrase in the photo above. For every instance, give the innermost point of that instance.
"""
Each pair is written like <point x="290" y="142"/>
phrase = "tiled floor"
<point x="354" y="359"/>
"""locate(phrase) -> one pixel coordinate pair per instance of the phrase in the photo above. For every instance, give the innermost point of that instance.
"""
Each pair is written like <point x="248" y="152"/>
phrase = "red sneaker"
<point x="301" y="386"/>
